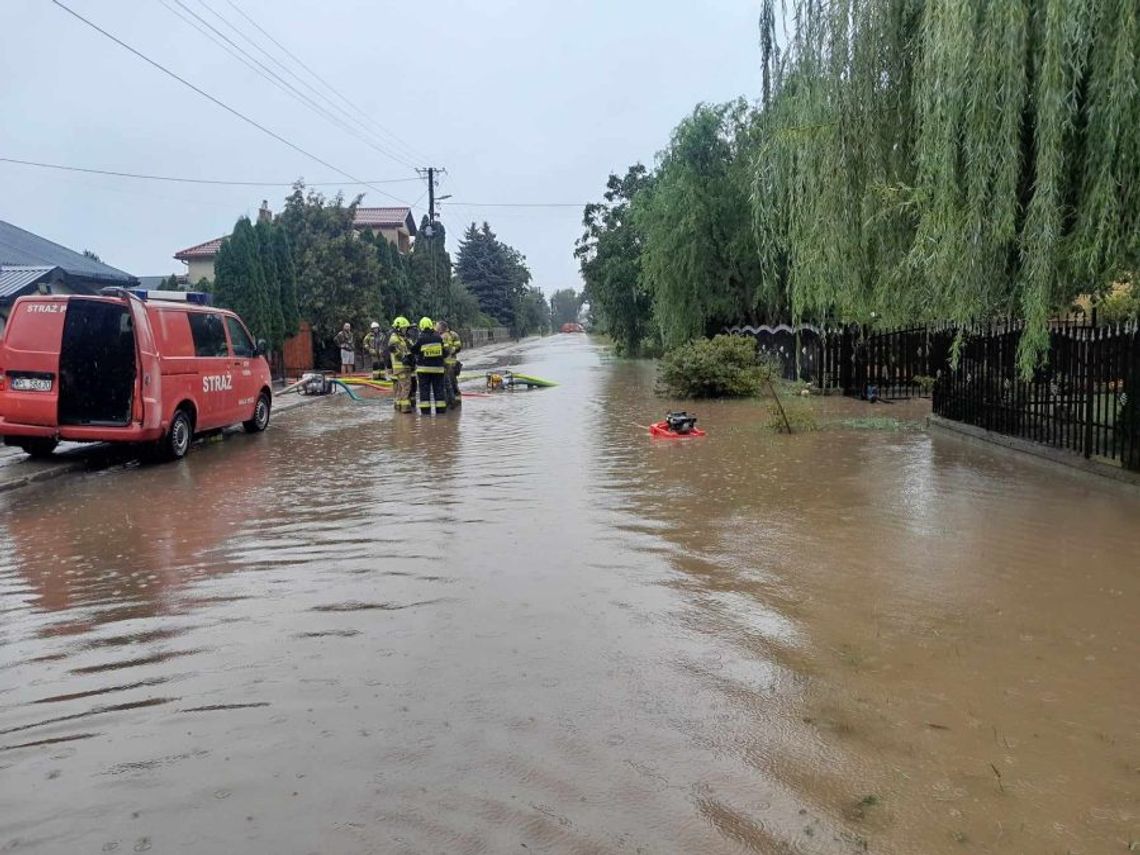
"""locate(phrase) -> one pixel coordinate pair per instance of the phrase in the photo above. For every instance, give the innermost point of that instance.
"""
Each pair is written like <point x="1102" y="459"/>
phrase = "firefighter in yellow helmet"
<point x="399" y="350"/>
<point x="451" y="347"/>
<point x="430" y="376"/>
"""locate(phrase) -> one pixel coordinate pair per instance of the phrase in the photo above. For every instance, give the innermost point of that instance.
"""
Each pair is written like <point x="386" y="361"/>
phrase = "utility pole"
<point x="430" y="173"/>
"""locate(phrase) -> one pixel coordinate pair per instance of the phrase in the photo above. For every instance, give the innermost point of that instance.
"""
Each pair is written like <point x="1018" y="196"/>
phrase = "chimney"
<point x="264" y="215"/>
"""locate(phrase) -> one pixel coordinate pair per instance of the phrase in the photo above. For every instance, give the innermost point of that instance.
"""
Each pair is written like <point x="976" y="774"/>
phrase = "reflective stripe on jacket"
<point x="452" y="345"/>
<point x="428" y="351"/>
<point x="398" y="348"/>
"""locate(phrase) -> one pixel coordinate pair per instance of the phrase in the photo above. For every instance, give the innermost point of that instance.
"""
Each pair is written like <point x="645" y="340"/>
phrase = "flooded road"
<point x="529" y="628"/>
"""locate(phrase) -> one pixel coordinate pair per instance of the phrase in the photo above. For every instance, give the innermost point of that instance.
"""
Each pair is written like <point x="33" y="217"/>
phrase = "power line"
<point x="217" y="181"/>
<point x="361" y="121"/>
<point x="320" y="79"/>
<point x="219" y="103"/>
<point x="259" y="68"/>
<point x="518" y="204"/>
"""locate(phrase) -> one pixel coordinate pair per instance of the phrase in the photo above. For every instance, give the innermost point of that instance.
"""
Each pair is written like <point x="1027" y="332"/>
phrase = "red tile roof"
<point x="385" y="218"/>
<point x="203" y="250"/>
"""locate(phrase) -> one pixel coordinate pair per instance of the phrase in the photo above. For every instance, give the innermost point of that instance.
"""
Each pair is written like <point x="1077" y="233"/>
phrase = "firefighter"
<point x="374" y="347"/>
<point x="451" y="347"/>
<point x="399" y="350"/>
<point x="430" y="376"/>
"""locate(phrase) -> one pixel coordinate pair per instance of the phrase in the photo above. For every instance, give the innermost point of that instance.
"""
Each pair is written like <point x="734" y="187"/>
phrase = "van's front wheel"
<point x="38" y="447"/>
<point x="260" y="420"/>
<point x="176" y="443"/>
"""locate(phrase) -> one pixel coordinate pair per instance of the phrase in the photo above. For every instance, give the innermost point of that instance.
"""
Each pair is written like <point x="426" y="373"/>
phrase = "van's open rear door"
<point x="148" y="402"/>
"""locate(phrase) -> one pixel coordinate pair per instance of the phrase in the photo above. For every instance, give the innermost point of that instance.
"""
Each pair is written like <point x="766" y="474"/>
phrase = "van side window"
<point x="209" y="336"/>
<point x="239" y="338"/>
<point x="172" y="329"/>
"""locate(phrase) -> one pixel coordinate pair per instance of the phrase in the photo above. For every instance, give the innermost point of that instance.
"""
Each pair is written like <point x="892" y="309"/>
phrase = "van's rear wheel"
<point x="38" y="446"/>
<point x="260" y="420"/>
<point x="176" y="443"/>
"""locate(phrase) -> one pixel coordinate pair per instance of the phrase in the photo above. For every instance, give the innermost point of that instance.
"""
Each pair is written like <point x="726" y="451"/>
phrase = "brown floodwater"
<point x="530" y="627"/>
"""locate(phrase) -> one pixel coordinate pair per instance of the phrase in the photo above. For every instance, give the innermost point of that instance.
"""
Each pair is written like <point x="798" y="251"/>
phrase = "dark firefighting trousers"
<point x="432" y="382"/>
<point x="451" y="384"/>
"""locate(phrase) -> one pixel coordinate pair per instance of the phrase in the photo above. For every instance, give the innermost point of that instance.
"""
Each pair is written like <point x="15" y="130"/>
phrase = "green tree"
<point x="396" y="291"/>
<point x="239" y="283"/>
<point x="429" y="271"/>
<point x="495" y="272"/>
<point x="609" y="256"/>
<point x="699" y="255"/>
<point x="950" y="160"/>
<point x="287" y="275"/>
<point x="171" y="283"/>
<point x="564" y="307"/>
<point x="465" y="311"/>
<point x="338" y="275"/>
<point x="531" y="313"/>
<point x="275" y="317"/>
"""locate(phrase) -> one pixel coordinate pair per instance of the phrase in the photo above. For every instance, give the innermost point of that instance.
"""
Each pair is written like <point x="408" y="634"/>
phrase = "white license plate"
<point x="31" y="384"/>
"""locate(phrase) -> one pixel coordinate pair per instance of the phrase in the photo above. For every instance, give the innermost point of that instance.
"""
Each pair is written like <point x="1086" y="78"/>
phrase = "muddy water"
<point x="530" y="628"/>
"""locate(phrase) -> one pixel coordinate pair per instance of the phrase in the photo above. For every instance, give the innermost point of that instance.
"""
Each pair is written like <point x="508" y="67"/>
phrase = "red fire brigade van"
<point x="155" y="368"/>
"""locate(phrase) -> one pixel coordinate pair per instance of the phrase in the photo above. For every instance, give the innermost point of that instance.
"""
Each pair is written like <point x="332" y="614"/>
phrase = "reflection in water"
<point x="526" y="623"/>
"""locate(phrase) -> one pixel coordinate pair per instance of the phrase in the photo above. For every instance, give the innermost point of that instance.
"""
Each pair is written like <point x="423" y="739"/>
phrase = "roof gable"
<point x="22" y="248"/>
<point x="203" y="250"/>
<point x="385" y="218"/>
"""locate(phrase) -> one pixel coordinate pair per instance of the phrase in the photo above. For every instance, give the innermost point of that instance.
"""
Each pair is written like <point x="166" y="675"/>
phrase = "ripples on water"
<point x="526" y="623"/>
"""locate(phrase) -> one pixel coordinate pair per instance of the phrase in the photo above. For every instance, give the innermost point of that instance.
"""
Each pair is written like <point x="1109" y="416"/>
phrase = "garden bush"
<point x="722" y="367"/>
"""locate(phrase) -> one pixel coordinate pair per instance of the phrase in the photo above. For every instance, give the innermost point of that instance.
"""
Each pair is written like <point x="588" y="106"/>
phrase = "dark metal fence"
<point x="894" y="363"/>
<point x="796" y="349"/>
<point x="1084" y="398"/>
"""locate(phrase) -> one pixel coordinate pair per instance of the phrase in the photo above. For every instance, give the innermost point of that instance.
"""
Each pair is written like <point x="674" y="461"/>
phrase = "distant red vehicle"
<point x="571" y="328"/>
<point x="117" y="368"/>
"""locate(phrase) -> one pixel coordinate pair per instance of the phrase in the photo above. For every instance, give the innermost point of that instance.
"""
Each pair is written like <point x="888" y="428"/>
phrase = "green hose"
<point x="348" y="389"/>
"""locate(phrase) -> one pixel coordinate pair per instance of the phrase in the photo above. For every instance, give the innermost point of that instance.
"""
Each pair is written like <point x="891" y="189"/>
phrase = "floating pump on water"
<point x="678" y="425"/>
<point x="680" y="422"/>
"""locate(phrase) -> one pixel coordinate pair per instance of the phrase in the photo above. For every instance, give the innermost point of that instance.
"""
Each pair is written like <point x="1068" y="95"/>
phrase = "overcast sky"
<point x="522" y="101"/>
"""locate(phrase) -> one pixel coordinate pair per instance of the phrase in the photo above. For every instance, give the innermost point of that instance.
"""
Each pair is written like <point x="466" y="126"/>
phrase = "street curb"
<point x="981" y="436"/>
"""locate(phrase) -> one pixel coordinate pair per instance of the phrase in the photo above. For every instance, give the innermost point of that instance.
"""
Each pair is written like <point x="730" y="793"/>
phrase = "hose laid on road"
<point x="348" y="389"/>
<point x="292" y="387"/>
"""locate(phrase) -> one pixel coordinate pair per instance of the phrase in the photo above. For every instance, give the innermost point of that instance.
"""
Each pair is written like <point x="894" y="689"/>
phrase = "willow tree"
<point x="949" y="159"/>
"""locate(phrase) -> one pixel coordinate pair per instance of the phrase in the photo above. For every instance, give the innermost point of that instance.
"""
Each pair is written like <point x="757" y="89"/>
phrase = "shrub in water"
<point x="721" y="367"/>
<point x="794" y="413"/>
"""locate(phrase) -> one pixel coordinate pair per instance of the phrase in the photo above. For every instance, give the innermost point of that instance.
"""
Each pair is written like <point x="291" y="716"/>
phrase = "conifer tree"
<point x="275" y="319"/>
<point x="239" y="283"/>
<point x="287" y="276"/>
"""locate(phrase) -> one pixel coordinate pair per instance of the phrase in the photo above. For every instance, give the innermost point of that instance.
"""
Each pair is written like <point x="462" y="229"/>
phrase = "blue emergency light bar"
<point x="199" y="298"/>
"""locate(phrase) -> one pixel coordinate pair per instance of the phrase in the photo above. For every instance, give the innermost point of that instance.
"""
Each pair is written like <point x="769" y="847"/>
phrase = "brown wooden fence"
<point x="298" y="351"/>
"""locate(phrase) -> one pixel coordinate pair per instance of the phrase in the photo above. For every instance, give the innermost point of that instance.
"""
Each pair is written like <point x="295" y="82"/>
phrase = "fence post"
<point x="1090" y="389"/>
